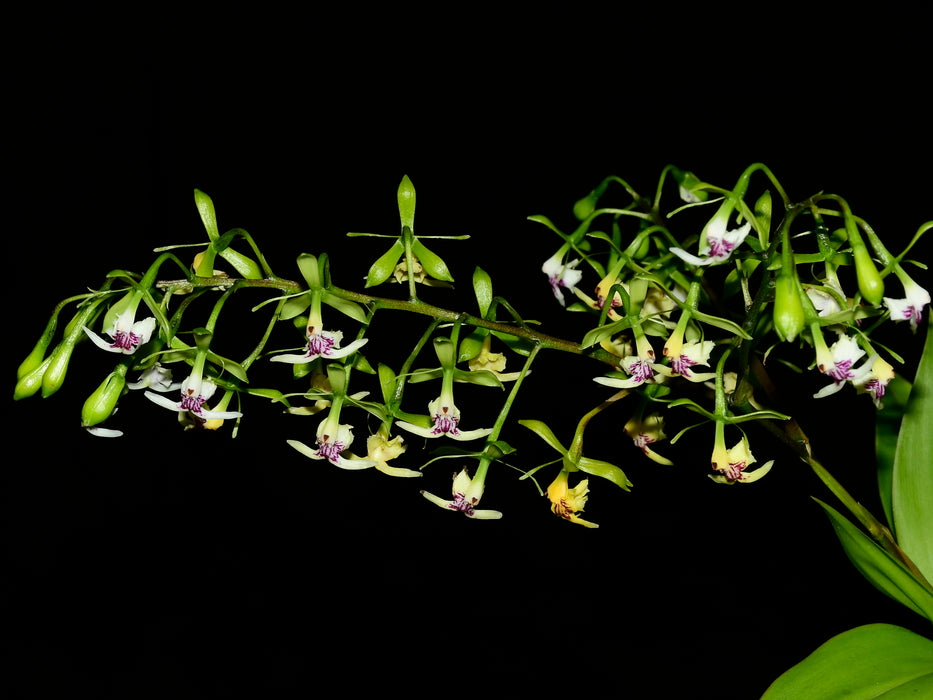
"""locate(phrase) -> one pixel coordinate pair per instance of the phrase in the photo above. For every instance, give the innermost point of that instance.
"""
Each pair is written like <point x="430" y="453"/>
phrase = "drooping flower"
<point x="567" y="502"/>
<point x="873" y="378"/>
<point x="443" y="413"/>
<point x="640" y="367"/>
<point x="157" y="378"/>
<point x="321" y="343"/>
<point x="910" y="308"/>
<point x="126" y="333"/>
<point x="561" y="274"/>
<point x="467" y="493"/>
<point x="196" y="390"/>
<point x="688" y="355"/>
<point x="446" y="421"/>
<point x="837" y="362"/>
<point x="380" y="450"/>
<point x="644" y="432"/>
<point x="333" y="441"/>
<point x="716" y="241"/>
<point x="731" y="464"/>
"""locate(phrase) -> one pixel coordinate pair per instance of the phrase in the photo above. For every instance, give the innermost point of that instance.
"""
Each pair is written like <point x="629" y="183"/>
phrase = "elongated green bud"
<point x="28" y="384"/>
<point x="406" y="203"/>
<point x="101" y="404"/>
<point x="789" y="315"/>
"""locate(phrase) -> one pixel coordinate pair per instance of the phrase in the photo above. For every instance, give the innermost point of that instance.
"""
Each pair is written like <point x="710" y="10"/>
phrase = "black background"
<point x="192" y="565"/>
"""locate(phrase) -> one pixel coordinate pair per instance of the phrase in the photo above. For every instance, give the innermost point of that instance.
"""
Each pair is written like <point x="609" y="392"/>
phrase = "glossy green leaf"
<point x="482" y="287"/>
<point x="882" y="571"/>
<point x="872" y="661"/>
<point x="912" y="488"/>
<point x="887" y="425"/>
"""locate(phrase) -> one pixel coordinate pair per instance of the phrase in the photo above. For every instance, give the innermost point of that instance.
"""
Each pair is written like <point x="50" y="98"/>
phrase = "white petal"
<point x="690" y="258"/>
<point x="345" y="463"/>
<point x="417" y="429"/>
<point x="100" y="342"/>
<point x="342" y="352"/>
<point x="163" y="401"/>
<point x="293" y="359"/>
<point x="97" y="431"/>
<point x="304" y="449"/>
<point x="470" y="434"/>
<point x="219" y="415"/>
<point x="618" y="383"/>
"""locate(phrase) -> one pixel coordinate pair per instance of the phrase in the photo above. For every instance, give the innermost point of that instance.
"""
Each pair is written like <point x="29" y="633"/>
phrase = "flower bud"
<point x="406" y="203"/>
<point x="100" y="405"/>
<point x="870" y="283"/>
<point x="54" y="375"/>
<point x="28" y="384"/>
<point x="789" y="315"/>
<point x="585" y="206"/>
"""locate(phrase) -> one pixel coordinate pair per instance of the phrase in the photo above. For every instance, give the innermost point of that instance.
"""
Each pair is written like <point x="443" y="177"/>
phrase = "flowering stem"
<point x="485" y="459"/>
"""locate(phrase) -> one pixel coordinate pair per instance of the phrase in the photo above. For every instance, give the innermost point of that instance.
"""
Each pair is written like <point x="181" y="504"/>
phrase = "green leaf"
<point x="482" y="286"/>
<point x="887" y="424"/>
<point x="871" y="661"/>
<point x="600" y="333"/>
<point x="881" y="569"/>
<point x="912" y="489"/>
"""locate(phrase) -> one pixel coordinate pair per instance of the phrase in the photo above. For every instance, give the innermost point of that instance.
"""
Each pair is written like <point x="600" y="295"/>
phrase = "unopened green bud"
<point x="100" y="405"/>
<point x="406" y="203"/>
<point x="789" y="315"/>
<point x="28" y="384"/>
<point x="585" y="206"/>
<point x="870" y="283"/>
<point x="54" y="375"/>
<point x="763" y="211"/>
<point x="688" y="183"/>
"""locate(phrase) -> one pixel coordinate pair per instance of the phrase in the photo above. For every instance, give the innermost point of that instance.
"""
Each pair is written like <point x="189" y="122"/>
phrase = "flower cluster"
<point x="687" y="310"/>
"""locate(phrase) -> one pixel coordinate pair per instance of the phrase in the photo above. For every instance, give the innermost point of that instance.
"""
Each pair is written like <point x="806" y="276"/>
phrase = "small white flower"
<point x="322" y="343"/>
<point x="127" y="333"/>
<point x="333" y="440"/>
<point x="467" y="493"/>
<point x="837" y="362"/>
<point x="719" y="241"/>
<point x="561" y="274"/>
<point x="910" y="308"/>
<point x="195" y="392"/>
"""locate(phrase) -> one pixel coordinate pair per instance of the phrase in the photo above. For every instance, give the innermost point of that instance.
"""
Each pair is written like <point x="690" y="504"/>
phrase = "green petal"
<point x="545" y="433"/>
<point x="431" y="262"/>
<point x="605" y="470"/>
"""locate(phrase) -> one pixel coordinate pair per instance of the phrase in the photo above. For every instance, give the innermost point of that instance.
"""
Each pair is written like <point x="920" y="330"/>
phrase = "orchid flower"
<point x="567" y="502"/>
<point x="157" y="378"/>
<point x="466" y="493"/>
<point x="640" y="367"/>
<point x="873" y="378"/>
<point x="321" y="343"/>
<point x="333" y="437"/>
<point x="196" y="390"/>
<point x="125" y="331"/>
<point x="561" y="274"/>
<point x="380" y="450"/>
<point x="731" y="464"/>
<point x="910" y="308"/>
<point x="444" y="414"/>
<point x="645" y="431"/>
<point x="716" y="241"/>
<point x="837" y="362"/>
